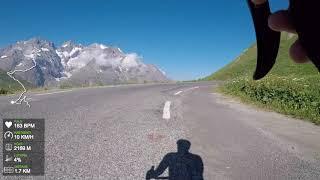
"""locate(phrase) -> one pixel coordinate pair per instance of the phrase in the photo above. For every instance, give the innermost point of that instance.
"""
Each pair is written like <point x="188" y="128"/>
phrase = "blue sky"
<point x="188" y="39"/>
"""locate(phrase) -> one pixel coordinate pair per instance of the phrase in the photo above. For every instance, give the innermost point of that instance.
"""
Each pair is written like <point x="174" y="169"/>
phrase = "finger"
<point x="298" y="53"/>
<point x="279" y="21"/>
<point x="258" y="2"/>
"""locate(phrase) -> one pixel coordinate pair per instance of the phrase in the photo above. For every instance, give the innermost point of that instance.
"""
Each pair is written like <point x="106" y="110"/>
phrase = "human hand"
<point x="150" y="173"/>
<point x="280" y="21"/>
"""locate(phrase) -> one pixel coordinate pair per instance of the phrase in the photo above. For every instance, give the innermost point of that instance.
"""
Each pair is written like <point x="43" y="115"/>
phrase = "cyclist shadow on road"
<point x="182" y="164"/>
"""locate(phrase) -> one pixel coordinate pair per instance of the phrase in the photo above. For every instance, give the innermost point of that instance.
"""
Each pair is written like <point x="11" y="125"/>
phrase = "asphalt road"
<point x="119" y="133"/>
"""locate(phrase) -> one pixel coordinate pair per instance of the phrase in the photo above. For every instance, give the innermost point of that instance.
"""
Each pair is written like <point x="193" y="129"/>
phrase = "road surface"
<point x="120" y="132"/>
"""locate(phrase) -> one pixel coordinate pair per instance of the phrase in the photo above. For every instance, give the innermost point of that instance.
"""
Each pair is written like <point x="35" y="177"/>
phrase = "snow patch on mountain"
<point x="45" y="49"/>
<point x="103" y="46"/>
<point x="163" y="72"/>
<point x="64" y="45"/>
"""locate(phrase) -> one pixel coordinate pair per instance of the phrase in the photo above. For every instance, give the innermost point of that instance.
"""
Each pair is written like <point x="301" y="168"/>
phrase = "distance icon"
<point x="8" y="170"/>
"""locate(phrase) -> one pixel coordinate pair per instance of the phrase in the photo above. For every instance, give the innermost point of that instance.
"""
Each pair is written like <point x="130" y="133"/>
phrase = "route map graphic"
<point x="22" y="97"/>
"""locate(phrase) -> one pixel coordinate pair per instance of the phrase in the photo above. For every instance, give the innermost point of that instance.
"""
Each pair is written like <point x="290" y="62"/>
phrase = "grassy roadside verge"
<point x="297" y="97"/>
<point x="291" y="89"/>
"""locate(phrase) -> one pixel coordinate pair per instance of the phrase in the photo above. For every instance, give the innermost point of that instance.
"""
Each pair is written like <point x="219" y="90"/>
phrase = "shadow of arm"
<point x="164" y="164"/>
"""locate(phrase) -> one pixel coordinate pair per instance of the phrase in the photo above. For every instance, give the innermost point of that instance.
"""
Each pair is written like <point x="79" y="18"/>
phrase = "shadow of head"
<point x="183" y="146"/>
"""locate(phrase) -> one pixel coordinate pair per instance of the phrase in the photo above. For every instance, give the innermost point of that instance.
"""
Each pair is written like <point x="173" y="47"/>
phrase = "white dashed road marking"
<point x="196" y="87"/>
<point x="166" y="110"/>
<point x="177" y="93"/>
<point x="52" y="93"/>
<point x="189" y="89"/>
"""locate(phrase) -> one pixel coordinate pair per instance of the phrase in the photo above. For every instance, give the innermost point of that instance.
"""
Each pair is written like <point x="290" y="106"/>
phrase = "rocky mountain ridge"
<point x="76" y="64"/>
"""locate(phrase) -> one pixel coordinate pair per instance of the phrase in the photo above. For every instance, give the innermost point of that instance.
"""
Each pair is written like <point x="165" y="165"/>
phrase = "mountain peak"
<point x="68" y="43"/>
<point x="36" y="42"/>
<point x="98" y="45"/>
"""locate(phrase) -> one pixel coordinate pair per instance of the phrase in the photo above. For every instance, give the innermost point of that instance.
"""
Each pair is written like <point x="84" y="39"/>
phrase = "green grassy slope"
<point x="290" y="88"/>
<point x="8" y="85"/>
<point x="245" y="64"/>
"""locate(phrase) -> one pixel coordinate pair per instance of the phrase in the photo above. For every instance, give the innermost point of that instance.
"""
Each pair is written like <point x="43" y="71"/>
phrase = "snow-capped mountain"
<point x="22" y="55"/>
<point x="76" y="64"/>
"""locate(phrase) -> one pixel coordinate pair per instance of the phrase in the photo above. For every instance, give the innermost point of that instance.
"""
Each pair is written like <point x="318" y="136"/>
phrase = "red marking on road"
<point x="154" y="137"/>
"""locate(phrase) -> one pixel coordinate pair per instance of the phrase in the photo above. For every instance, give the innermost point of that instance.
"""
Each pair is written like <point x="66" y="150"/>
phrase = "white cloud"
<point x="104" y="57"/>
<point x="131" y="60"/>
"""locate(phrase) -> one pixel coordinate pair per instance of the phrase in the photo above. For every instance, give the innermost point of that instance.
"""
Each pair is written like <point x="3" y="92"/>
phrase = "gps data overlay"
<point x="23" y="147"/>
